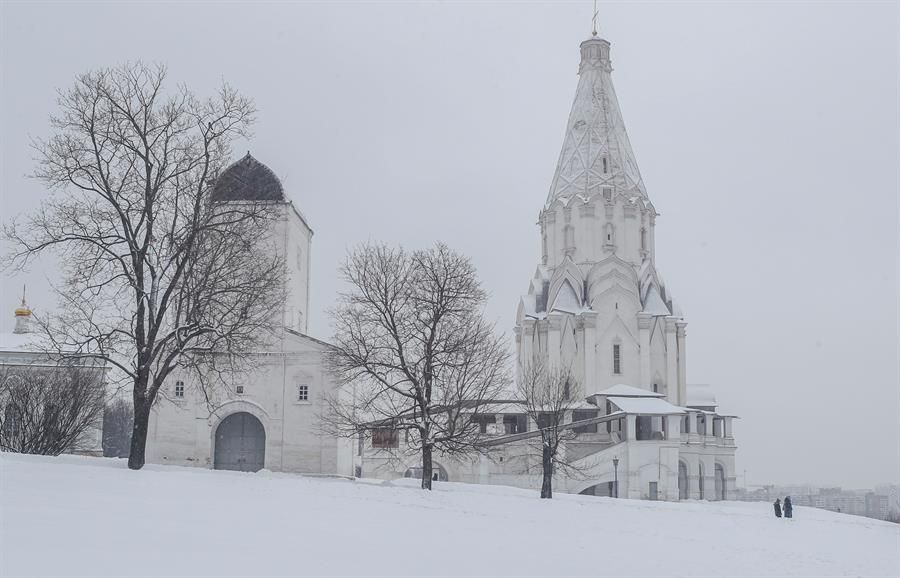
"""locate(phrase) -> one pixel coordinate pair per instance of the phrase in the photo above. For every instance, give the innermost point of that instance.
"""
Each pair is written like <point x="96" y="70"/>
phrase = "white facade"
<point x="275" y="405"/>
<point x="22" y="351"/>
<point x="597" y="305"/>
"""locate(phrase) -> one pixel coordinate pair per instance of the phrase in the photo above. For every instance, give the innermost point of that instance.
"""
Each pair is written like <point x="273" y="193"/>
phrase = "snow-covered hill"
<point x="72" y="516"/>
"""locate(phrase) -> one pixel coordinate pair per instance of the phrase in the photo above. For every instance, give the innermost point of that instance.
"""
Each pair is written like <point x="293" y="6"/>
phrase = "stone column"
<point x="586" y="233"/>
<point x="590" y="384"/>
<point x="709" y="478"/>
<point x="517" y="331"/>
<point x="693" y="465"/>
<point x="682" y="362"/>
<point x="673" y="428"/>
<point x="527" y="342"/>
<point x="551" y="231"/>
<point x="553" y="342"/>
<point x="668" y="484"/>
<point x="644" y="322"/>
<point x="631" y="242"/>
<point x="630" y="427"/>
<point x="484" y="470"/>
<point x="671" y="361"/>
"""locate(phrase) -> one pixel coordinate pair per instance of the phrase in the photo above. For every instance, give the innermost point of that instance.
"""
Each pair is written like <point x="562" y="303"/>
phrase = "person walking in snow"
<point x="777" y="505"/>
<point x="788" y="508"/>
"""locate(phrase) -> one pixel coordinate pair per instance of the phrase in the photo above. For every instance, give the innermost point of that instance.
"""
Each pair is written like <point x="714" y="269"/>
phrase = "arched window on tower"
<point x="643" y="239"/>
<point x="610" y="234"/>
<point x="605" y="166"/>
<point x="569" y="239"/>
<point x="617" y="358"/>
<point x="544" y="247"/>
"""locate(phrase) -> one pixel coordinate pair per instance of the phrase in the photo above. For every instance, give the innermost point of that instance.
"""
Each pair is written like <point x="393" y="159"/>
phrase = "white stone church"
<point x="596" y="303"/>
<point x="268" y="417"/>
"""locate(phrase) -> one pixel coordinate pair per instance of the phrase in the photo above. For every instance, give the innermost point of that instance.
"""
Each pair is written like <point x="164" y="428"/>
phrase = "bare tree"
<point x="546" y="395"/>
<point x="157" y="273"/>
<point x="49" y="410"/>
<point x="411" y="342"/>
<point x="118" y="421"/>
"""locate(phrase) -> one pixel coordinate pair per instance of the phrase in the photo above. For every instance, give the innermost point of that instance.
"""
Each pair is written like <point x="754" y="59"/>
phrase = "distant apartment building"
<point x="877" y="504"/>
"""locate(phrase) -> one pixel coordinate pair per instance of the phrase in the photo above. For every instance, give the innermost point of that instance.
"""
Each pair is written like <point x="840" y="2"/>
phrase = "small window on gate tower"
<point x="179" y="389"/>
<point x="303" y="393"/>
<point x="617" y="358"/>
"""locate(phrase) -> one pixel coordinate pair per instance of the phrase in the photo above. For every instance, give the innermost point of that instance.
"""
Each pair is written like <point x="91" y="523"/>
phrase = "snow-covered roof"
<point x="645" y="405"/>
<point x="700" y="395"/>
<point x="622" y="390"/>
<point x="503" y="407"/>
<point x="19" y="342"/>
<point x="566" y="300"/>
<point x="654" y="304"/>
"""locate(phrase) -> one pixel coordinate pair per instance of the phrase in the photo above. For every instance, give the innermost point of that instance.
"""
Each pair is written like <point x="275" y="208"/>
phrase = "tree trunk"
<point x="139" y="433"/>
<point x="547" y="463"/>
<point x="426" y="467"/>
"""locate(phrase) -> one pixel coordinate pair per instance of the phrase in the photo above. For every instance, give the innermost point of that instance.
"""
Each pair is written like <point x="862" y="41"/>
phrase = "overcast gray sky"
<point x="768" y="135"/>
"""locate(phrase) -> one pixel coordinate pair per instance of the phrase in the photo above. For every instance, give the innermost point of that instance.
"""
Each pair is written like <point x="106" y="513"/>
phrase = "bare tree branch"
<point x="546" y="396"/>
<point x="413" y="351"/>
<point x="49" y="410"/>
<point x="158" y="275"/>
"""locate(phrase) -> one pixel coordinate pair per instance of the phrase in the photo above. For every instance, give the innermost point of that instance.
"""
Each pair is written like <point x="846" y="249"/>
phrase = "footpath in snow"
<point x="74" y="516"/>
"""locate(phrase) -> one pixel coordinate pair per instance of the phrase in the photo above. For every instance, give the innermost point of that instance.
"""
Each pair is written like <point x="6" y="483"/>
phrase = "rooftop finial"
<point x="594" y="20"/>
<point x="23" y="316"/>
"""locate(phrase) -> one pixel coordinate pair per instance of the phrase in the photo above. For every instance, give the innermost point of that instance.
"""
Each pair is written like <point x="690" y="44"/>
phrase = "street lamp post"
<point x="616" y="482"/>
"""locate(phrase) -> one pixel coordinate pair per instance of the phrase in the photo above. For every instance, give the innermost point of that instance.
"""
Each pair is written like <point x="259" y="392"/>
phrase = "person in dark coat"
<point x="788" y="508"/>
<point x="777" y="507"/>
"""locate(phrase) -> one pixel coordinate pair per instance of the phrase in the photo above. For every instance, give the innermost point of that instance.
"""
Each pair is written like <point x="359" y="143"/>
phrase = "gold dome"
<point x="23" y="310"/>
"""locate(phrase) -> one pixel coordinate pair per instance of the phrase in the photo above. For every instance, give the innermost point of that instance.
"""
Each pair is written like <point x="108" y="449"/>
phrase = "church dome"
<point x="248" y="180"/>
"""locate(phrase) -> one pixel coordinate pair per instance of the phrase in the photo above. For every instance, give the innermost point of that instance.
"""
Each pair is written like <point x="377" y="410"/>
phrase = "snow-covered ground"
<point x="73" y="516"/>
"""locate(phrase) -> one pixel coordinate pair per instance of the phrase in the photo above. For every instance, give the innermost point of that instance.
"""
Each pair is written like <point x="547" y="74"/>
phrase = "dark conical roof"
<point x="248" y="180"/>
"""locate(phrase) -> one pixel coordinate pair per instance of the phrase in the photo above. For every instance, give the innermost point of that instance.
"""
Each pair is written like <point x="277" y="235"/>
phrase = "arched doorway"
<point x="720" y="482"/>
<point x="438" y="473"/>
<point x="604" y="489"/>
<point x="682" y="481"/>
<point x="240" y="443"/>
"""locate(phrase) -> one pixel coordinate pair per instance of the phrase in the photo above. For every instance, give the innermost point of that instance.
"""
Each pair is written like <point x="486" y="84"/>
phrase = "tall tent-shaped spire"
<point x="596" y="152"/>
